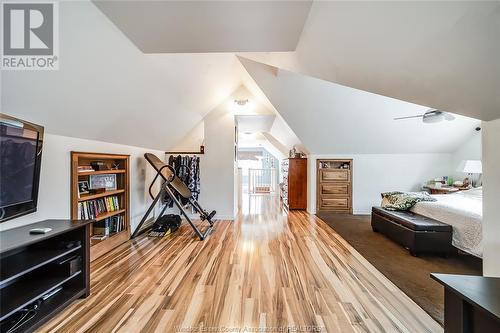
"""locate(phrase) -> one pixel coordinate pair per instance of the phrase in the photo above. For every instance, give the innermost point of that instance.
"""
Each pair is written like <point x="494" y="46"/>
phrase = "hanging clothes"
<point x="194" y="176"/>
<point x="187" y="169"/>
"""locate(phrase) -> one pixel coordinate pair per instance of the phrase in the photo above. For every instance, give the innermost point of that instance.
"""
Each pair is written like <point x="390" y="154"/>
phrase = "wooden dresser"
<point x="334" y="185"/>
<point x="294" y="186"/>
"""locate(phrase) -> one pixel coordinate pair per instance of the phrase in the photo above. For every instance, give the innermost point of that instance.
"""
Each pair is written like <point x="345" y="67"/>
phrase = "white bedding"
<point x="464" y="212"/>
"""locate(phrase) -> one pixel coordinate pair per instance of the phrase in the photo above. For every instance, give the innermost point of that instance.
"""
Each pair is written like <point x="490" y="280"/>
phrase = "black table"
<point x="42" y="274"/>
<point x="471" y="303"/>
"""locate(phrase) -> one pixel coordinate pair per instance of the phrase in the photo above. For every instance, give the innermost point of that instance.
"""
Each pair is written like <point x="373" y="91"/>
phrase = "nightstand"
<point x="441" y="190"/>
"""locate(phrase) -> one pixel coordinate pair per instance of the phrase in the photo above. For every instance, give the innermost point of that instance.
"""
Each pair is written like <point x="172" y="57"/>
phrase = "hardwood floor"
<point x="266" y="269"/>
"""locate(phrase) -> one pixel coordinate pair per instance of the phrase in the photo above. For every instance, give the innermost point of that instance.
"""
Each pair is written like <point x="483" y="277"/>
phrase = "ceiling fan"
<point x="431" y="116"/>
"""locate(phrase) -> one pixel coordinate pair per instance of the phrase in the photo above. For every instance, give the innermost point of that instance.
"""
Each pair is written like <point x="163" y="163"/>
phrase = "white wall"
<point x="469" y="150"/>
<point x="54" y="191"/>
<point x="491" y="193"/>
<point x="373" y="174"/>
<point x="217" y="167"/>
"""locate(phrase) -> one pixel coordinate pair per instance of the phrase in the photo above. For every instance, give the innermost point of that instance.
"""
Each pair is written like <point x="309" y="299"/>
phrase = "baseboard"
<point x="195" y="216"/>
<point x="362" y="212"/>
<point x="355" y="212"/>
<point x="224" y="217"/>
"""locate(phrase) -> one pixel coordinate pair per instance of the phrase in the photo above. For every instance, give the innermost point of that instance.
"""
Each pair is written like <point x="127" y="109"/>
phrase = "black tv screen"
<point x="20" y="158"/>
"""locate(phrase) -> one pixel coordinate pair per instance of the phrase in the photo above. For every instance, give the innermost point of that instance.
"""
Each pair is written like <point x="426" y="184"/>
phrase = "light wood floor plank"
<point x="266" y="269"/>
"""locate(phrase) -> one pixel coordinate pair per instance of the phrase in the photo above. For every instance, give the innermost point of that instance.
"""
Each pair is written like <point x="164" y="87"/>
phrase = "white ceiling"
<point x="258" y="125"/>
<point x="108" y="90"/>
<point x="255" y="123"/>
<point x="443" y="54"/>
<point x="209" y="26"/>
<point x="329" y="118"/>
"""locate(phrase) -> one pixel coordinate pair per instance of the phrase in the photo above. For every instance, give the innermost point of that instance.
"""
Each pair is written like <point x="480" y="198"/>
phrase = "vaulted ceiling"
<point x="209" y="26"/>
<point x="442" y="54"/>
<point x="123" y="80"/>
<point x="107" y="89"/>
<point x="334" y="119"/>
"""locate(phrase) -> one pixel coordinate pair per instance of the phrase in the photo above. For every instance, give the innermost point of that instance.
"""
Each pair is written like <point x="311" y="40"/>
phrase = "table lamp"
<point x="471" y="167"/>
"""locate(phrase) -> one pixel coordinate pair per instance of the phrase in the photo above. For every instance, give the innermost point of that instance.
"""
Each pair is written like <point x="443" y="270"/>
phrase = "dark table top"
<point x="20" y="236"/>
<point x="483" y="292"/>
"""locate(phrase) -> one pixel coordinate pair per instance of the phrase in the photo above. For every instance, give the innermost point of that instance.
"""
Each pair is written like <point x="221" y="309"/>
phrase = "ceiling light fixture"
<point x="241" y="102"/>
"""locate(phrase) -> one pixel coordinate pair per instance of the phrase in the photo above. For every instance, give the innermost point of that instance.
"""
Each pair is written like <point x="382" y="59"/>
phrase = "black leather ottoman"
<point x="417" y="233"/>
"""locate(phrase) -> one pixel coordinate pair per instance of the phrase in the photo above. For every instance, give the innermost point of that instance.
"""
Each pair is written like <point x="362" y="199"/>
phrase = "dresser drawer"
<point x="335" y="203"/>
<point x="334" y="189"/>
<point x="334" y="175"/>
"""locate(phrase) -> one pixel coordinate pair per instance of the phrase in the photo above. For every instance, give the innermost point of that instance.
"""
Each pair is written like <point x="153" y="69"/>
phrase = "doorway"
<point x="259" y="171"/>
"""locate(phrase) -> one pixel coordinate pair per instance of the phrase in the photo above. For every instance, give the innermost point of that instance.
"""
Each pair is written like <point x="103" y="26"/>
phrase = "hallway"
<point x="268" y="269"/>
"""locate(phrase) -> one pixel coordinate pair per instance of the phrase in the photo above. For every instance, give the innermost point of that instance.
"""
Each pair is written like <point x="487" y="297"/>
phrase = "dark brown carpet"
<point x="409" y="273"/>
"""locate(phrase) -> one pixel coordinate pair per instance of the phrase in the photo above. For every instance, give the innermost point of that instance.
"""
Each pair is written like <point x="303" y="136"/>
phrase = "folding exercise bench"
<point x="171" y="185"/>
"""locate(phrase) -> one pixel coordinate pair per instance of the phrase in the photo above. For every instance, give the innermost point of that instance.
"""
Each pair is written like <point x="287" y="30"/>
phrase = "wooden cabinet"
<point x="294" y="185"/>
<point x="335" y="189"/>
<point x="328" y="202"/>
<point x="334" y="175"/>
<point x="334" y="185"/>
<point x="44" y="273"/>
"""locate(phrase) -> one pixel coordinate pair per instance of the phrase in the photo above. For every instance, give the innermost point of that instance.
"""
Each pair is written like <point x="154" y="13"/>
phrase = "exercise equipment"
<point x="165" y="225"/>
<point x="172" y="185"/>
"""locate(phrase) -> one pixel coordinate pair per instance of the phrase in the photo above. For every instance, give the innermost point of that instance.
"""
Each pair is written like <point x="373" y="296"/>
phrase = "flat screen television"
<point x="20" y="159"/>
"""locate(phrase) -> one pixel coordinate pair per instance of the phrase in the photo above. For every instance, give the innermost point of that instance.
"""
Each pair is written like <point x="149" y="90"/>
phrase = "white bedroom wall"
<point x="54" y="191"/>
<point x="376" y="173"/>
<point x="469" y="150"/>
<point x="491" y="193"/>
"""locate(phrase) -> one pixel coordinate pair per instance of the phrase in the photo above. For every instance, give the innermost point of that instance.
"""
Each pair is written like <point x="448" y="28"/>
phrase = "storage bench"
<point x="417" y="233"/>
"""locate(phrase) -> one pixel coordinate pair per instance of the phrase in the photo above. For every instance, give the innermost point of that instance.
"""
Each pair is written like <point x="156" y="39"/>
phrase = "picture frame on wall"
<point x="106" y="181"/>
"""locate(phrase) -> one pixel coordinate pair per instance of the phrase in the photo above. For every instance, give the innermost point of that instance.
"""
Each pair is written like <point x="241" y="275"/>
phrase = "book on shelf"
<point x="91" y="209"/>
<point x="109" y="226"/>
<point x="84" y="168"/>
<point x="101" y="228"/>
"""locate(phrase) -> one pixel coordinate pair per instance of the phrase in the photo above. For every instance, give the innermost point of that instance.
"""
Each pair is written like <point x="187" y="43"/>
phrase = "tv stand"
<point x="41" y="274"/>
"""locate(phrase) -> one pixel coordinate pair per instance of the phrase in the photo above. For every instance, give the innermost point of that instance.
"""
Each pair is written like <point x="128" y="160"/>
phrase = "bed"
<point x="464" y="212"/>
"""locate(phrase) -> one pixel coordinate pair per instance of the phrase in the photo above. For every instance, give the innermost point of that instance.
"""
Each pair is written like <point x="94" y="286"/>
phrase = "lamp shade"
<point x="471" y="166"/>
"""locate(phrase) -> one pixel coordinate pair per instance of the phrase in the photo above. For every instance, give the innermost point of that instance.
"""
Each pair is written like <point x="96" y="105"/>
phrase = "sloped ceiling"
<point x="108" y="90"/>
<point x="329" y="118"/>
<point x="255" y="123"/>
<point x="209" y="26"/>
<point x="443" y="54"/>
<point x="264" y="140"/>
<point x="254" y="129"/>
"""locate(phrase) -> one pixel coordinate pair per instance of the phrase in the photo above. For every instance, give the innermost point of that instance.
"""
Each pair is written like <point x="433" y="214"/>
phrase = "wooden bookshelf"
<point x="114" y="164"/>
<point x="102" y="172"/>
<point x="99" y="195"/>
